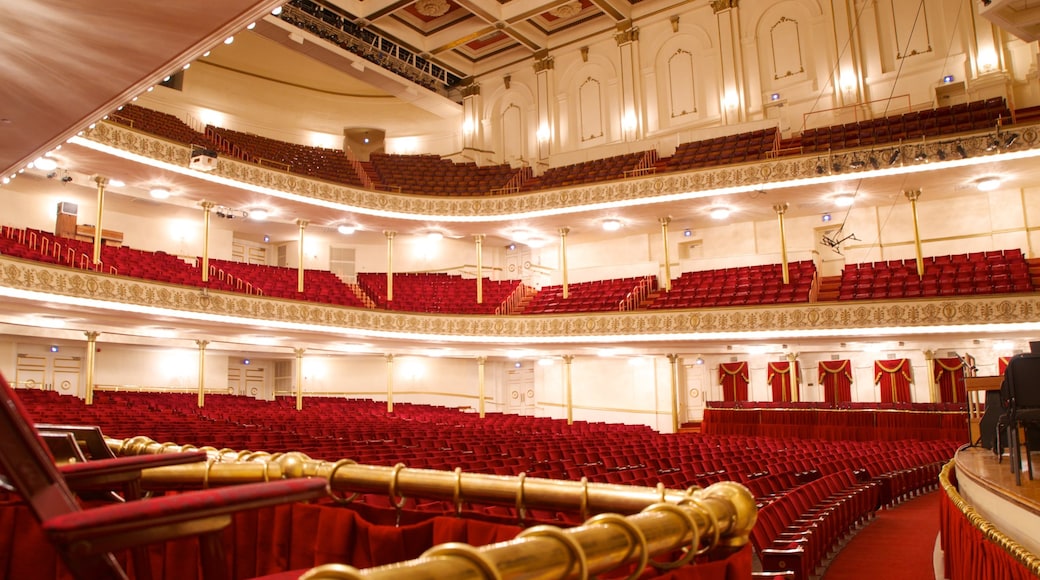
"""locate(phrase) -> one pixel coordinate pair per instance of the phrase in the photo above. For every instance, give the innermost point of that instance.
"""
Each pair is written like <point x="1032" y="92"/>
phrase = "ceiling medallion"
<point x="566" y="10"/>
<point x="432" y="8"/>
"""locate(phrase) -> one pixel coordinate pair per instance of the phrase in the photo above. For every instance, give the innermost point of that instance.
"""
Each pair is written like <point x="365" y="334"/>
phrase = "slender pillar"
<point x="300" y="268"/>
<point x="673" y="360"/>
<point x="389" y="383"/>
<point x="630" y="75"/>
<point x="563" y="258"/>
<point x="781" y="209"/>
<point x="933" y="391"/>
<point x="569" y="403"/>
<point x="101" y="183"/>
<point x="299" y="377"/>
<point x="792" y="357"/>
<point x="545" y="91"/>
<point x="206" y="207"/>
<point x="480" y="384"/>
<point x="202" y="371"/>
<point x="913" y="195"/>
<point x="91" y="354"/>
<point x="479" y="239"/>
<point x="471" y="126"/>
<point x="389" y="264"/>
<point x="731" y="60"/>
<point x="667" y="261"/>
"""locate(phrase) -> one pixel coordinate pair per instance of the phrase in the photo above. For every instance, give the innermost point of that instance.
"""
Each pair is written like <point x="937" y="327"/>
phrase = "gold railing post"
<point x="479" y="239"/>
<point x="389" y="264"/>
<point x="913" y="195"/>
<point x="202" y="371"/>
<point x="667" y="261"/>
<point x="781" y="209"/>
<point x="673" y="361"/>
<point x="101" y="183"/>
<point x="563" y="259"/>
<point x="206" y="207"/>
<point x="91" y="359"/>
<point x="299" y="377"/>
<point x="568" y="400"/>
<point x="933" y="391"/>
<point x="389" y="383"/>
<point x="481" y="360"/>
<point x="300" y="269"/>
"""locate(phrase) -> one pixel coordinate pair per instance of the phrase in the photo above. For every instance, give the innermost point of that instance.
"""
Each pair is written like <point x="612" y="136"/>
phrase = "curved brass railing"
<point x="696" y="521"/>
<point x="989" y="531"/>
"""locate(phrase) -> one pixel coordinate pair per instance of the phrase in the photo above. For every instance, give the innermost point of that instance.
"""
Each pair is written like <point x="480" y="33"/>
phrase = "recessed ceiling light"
<point x="433" y="236"/>
<point x="987" y="183"/>
<point x="520" y="235"/>
<point x="45" y="164"/>
<point x="229" y="40"/>
<point x="251" y="26"/>
<point x="844" y="199"/>
<point x="159" y="193"/>
<point x="116" y="183"/>
<point x="719" y="213"/>
<point x="537" y="243"/>
<point x="277" y="10"/>
<point x="346" y="230"/>
<point x="611" y="225"/>
<point x="258" y="214"/>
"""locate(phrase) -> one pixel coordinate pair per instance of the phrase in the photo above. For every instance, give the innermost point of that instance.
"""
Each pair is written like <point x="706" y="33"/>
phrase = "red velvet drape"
<point x="894" y="377"/>
<point x="968" y="554"/>
<point x="836" y="379"/>
<point x="734" y="380"/>
<point x="949" y="375"/>
<point x="785" y="379"/>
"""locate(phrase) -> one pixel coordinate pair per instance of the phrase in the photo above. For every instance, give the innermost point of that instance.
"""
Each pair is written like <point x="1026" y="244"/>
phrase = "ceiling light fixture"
<point x="159" y="193"/>
<point x="521" y="235"/>
<point x="987" y="183"/>
<point x="45" y="164"/>
<point x="346" y="230"/>
<point x="844" y="199"/>
<point x="229" y="40"/>
<point x="434" y="236"/>
<point x="611" y="225"/>
<point x="277" y="11"/>
<point x="719" y="213"/>
<point x="258" y="214"/>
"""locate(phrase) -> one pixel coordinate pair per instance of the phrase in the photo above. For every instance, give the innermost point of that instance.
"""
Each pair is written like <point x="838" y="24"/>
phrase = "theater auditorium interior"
<point x="515" y="288"/>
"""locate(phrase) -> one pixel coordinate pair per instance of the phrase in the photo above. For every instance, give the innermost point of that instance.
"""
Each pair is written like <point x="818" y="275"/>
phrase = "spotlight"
<point x="941" y="153"/>
<point x="948" y="79"/>
<point x="993" y="144"/>
<point x="774" y="97"/>
<point x="246" y="361"/>
<point x="511" y="246"/>
<point x="825" y="217"/>
<point x="267" y="238"/>
<point x="858" y="163"/>
<point x="54" y="348"/>
<point x="874" y="162"/>
<point x="687" y="233"/>
<point x="921" y="155"/>
<point x="961" y="151"/>
<point x="836" y="167"/>
<point x="820" y="169"/>
<point x="894" y="156"/>
<point x="1010" y="139"/>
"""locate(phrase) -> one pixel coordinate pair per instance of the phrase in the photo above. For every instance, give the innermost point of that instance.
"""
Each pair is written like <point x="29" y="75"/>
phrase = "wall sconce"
<point x="543" y="132"/>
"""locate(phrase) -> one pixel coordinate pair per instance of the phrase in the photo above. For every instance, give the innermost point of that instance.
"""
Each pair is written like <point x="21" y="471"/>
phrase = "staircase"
<point x="371" y="173"/>
<point x="830" y="286"/>
<point x="362" y="296"/>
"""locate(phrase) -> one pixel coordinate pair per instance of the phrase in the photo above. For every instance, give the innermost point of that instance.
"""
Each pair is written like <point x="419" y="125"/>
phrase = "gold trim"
<point x="989" y="531"/>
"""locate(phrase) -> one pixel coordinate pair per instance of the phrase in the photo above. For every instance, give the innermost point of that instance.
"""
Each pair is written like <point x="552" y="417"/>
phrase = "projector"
<point x="203" y="159"/>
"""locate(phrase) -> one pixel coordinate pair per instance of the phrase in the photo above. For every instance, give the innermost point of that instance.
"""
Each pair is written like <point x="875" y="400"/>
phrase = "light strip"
<point x="683" y="196"/>
<point x="977" y="329"/>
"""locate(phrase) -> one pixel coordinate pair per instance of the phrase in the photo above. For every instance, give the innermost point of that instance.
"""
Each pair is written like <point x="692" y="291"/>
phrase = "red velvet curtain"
<point x="949" y="375"/>
<point x="1002" y="364"/>
<point x="836" y="379"/>
<point x="894" y="377"/>
<point x="968" y="554"/>
<point x="785" y="378"/>
<point x="734" y="380"/>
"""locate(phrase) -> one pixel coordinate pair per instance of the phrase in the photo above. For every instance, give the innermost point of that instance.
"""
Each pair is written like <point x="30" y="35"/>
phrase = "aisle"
<point x="897" y="545"/>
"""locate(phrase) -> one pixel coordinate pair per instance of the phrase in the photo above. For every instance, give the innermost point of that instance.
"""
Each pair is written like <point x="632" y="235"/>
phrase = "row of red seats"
<point x="591" y="171"/>
<point x="436" y="293"/>
<point x="855" y="425"/>
<point x="738" y="148"/>
<point x="761" y="284"/>
<point x="162" y="125"/>
<point x="959" y="118"/>
<point x="431" y="174"/>
<point x="597" y="296"/>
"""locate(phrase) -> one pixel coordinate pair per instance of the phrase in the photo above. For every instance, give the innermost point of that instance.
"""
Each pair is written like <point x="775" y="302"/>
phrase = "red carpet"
<point x="897" y="545"/>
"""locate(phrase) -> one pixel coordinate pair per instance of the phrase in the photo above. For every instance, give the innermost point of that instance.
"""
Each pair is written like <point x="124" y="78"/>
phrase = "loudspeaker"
<point x="203" y="159"/>
<point x="67" y="208"/>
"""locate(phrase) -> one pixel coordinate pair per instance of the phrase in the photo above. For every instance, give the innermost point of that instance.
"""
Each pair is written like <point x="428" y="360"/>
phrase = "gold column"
<point x="389" y="264"/>
<point x="389" y="383"/>
<point x="781" y="209"/>
<point x="933" y="391"/>
<point x="667" y="261"/>
<point x="792" y="357"/>
<point x="202" y="371"/>
<point x="299" y="377"/>
<point x="479" y="239"/>
<point x="567" y="359"/>
<point x="299" y="269"/>
<point x="913" y="195"/>
<point x="480" y="384"/>
<point x="673" y="360"/>
<point x="563" y="258"/>
<point x="206" y="207"/>
<point x="101" y="183"/>
<point x="91" y="354"/>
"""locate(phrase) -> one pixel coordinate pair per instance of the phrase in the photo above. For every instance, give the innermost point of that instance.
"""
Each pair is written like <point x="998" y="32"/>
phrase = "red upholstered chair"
<point x="86" y="538"/>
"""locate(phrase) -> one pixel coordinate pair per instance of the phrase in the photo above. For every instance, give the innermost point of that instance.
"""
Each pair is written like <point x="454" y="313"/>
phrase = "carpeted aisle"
<point x="897" y="545"/>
